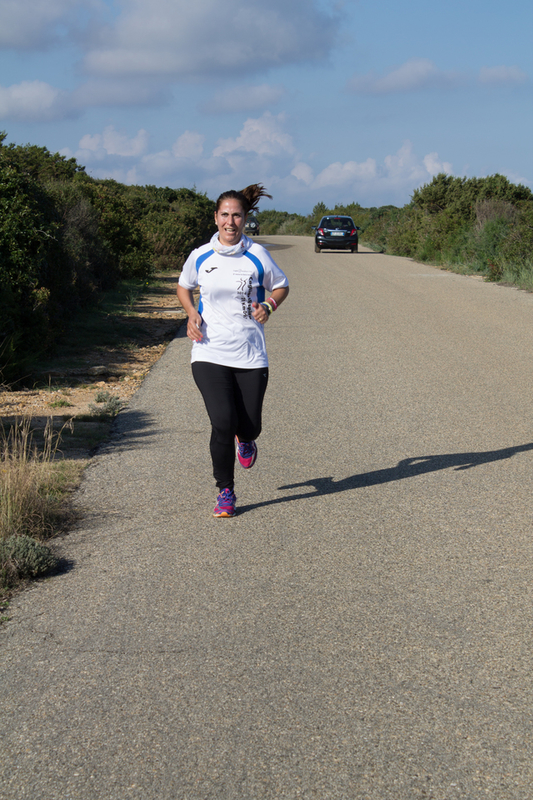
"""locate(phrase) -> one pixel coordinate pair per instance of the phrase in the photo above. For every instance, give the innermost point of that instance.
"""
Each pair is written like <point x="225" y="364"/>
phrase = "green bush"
<point x="295" y="225"/>
<point x="111" y="405"/>
<point x="175" y="222"/>
<point x="86" y="263"/>
<point x="28" y="230"/>
<point x="119" y="227"/>
<point x="22" y="558"/>
<point x="480" y="225"/>
<point x="65" y="237"/>
<point x="518" y="246"/>
<point x="271" y="220"/>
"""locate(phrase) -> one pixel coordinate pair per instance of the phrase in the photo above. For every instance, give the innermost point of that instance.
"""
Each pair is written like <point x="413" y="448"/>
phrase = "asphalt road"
<point x="363" y="628"/>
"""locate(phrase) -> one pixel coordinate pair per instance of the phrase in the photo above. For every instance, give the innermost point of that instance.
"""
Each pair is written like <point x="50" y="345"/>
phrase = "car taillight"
<point x="353" y="232"/>
<point x="321" y="231"/>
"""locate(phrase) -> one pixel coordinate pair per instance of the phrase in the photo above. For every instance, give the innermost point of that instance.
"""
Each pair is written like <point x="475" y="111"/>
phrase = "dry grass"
<point x="493" y="209"/>
<point x="25" y="473"/>
<point x="39" y="467"/>
<point x="34" y="484"/>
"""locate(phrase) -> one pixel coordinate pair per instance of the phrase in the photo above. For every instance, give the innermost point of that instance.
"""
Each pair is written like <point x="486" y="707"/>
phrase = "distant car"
<point x="252" y="226"/>
<point x="336" y="233"/>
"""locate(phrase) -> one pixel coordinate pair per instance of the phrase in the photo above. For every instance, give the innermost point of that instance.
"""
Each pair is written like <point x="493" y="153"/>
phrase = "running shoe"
<point x="246" y="453"/>
<point x="225" y="506"/>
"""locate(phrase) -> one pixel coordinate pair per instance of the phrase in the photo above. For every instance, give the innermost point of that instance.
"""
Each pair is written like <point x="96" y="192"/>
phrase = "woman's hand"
<point x="193" y="327"/>
<point x="185" y="296"/>
<point x="259" y="313"/>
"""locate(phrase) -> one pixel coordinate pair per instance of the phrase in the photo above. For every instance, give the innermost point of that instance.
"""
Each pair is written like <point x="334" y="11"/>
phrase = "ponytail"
<point x="248" y="197"/>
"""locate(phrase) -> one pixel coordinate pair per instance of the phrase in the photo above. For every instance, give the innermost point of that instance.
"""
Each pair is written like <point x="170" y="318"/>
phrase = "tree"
<point x="319" y="211"/>
<point x="28" y="228"/>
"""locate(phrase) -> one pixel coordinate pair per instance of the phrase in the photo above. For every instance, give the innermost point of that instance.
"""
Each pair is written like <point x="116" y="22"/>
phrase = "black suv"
<point x="336" y="233"/>
<point x="252" y="226"/>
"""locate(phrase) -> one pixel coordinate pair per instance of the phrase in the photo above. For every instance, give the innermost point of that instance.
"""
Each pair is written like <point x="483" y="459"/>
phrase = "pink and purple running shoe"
<point x="225" y="506"/>
<point x="246" y="453"/>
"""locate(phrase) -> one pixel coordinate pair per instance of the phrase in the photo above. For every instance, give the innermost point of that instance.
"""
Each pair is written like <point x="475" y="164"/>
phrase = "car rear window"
<point x="338" y="223"/>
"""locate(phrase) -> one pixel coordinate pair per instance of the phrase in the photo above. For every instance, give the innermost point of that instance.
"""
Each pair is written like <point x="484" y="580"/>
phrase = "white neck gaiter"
<point x="230" y="250"/>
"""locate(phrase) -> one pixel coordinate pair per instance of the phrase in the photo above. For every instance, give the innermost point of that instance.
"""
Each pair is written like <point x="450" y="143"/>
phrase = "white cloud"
<point x="498" y="76"/>
<point x="37" y="101"/>
<point x="111" y="153"/>
<point x="405" y="168"/>
<point x="516" y="177"/>
<point x="32" y="101"/>
<point x="206" y="38"/>
<point x="421" y="73"/>
<point x="368" y="181"/>
<point x="338" y="174"/>
<point x="303" y="172"/>
<point x="112" y="143"/>
<point x="189" y="145"/>
<point x="244" y="99"/>
<point x="261" y="151"/>
<point x="417" y="73"/>
<point x="435" y="166"/>
<point x="263" y="136"/>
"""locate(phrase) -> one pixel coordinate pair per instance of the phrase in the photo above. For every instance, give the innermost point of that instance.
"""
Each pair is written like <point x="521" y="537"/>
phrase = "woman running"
<point x="240" y="287"/>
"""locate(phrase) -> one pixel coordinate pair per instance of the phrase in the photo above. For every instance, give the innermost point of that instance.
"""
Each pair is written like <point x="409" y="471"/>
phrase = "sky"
<point x="320" y="100"/>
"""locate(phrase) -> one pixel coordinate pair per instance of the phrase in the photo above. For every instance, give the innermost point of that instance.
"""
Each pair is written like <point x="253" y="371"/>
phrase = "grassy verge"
<point x="507" y="274"/>
<point x="502" y="271"/>
<point x="33" y="490"/>
<point x="102" y="358"/>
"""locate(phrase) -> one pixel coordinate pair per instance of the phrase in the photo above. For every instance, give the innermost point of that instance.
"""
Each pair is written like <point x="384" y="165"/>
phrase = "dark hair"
<point x="248" y="198"/>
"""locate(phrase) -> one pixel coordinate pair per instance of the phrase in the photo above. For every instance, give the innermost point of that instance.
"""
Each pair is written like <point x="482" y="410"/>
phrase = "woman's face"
<point x="230" y="219"/>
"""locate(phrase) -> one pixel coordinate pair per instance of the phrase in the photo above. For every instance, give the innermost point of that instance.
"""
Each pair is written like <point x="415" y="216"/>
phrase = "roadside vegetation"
<point x="469" y="225"/>
<point x="33" y="488"/>
<point x="65" y="238"/>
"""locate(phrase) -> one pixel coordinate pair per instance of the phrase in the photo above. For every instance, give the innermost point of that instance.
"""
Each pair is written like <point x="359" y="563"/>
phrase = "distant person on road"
<point x="240" y="287"/>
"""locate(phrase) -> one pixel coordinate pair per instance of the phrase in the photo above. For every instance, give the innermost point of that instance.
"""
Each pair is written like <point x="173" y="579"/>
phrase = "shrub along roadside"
<point x="65" y="237"/>
<point x="23" y="558"/>
<point x="469" y="225"/>
<point x="33" y="488"/>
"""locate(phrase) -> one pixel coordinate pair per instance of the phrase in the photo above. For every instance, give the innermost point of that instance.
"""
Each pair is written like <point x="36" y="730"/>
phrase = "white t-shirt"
<point x="229" y="284"/>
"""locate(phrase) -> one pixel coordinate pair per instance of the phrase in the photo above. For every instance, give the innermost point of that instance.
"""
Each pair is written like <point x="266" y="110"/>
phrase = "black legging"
<point x="234" y="401"/>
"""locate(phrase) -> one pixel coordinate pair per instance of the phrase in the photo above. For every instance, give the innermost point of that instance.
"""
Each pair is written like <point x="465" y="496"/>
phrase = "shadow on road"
<point x="339" y="252"/>
<point x="407" y="468"/>
<point x="274" y="246"/>
<point x="131" y="430"/>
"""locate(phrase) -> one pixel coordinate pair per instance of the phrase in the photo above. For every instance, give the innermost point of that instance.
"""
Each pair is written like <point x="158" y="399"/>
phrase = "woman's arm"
<point x="278" y="295"/>
<point x="185" y="296"/>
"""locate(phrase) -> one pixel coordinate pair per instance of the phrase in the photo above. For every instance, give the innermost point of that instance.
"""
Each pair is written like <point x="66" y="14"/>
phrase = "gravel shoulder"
<point x="158" y="317"/>
<point x="65" y="388"/>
